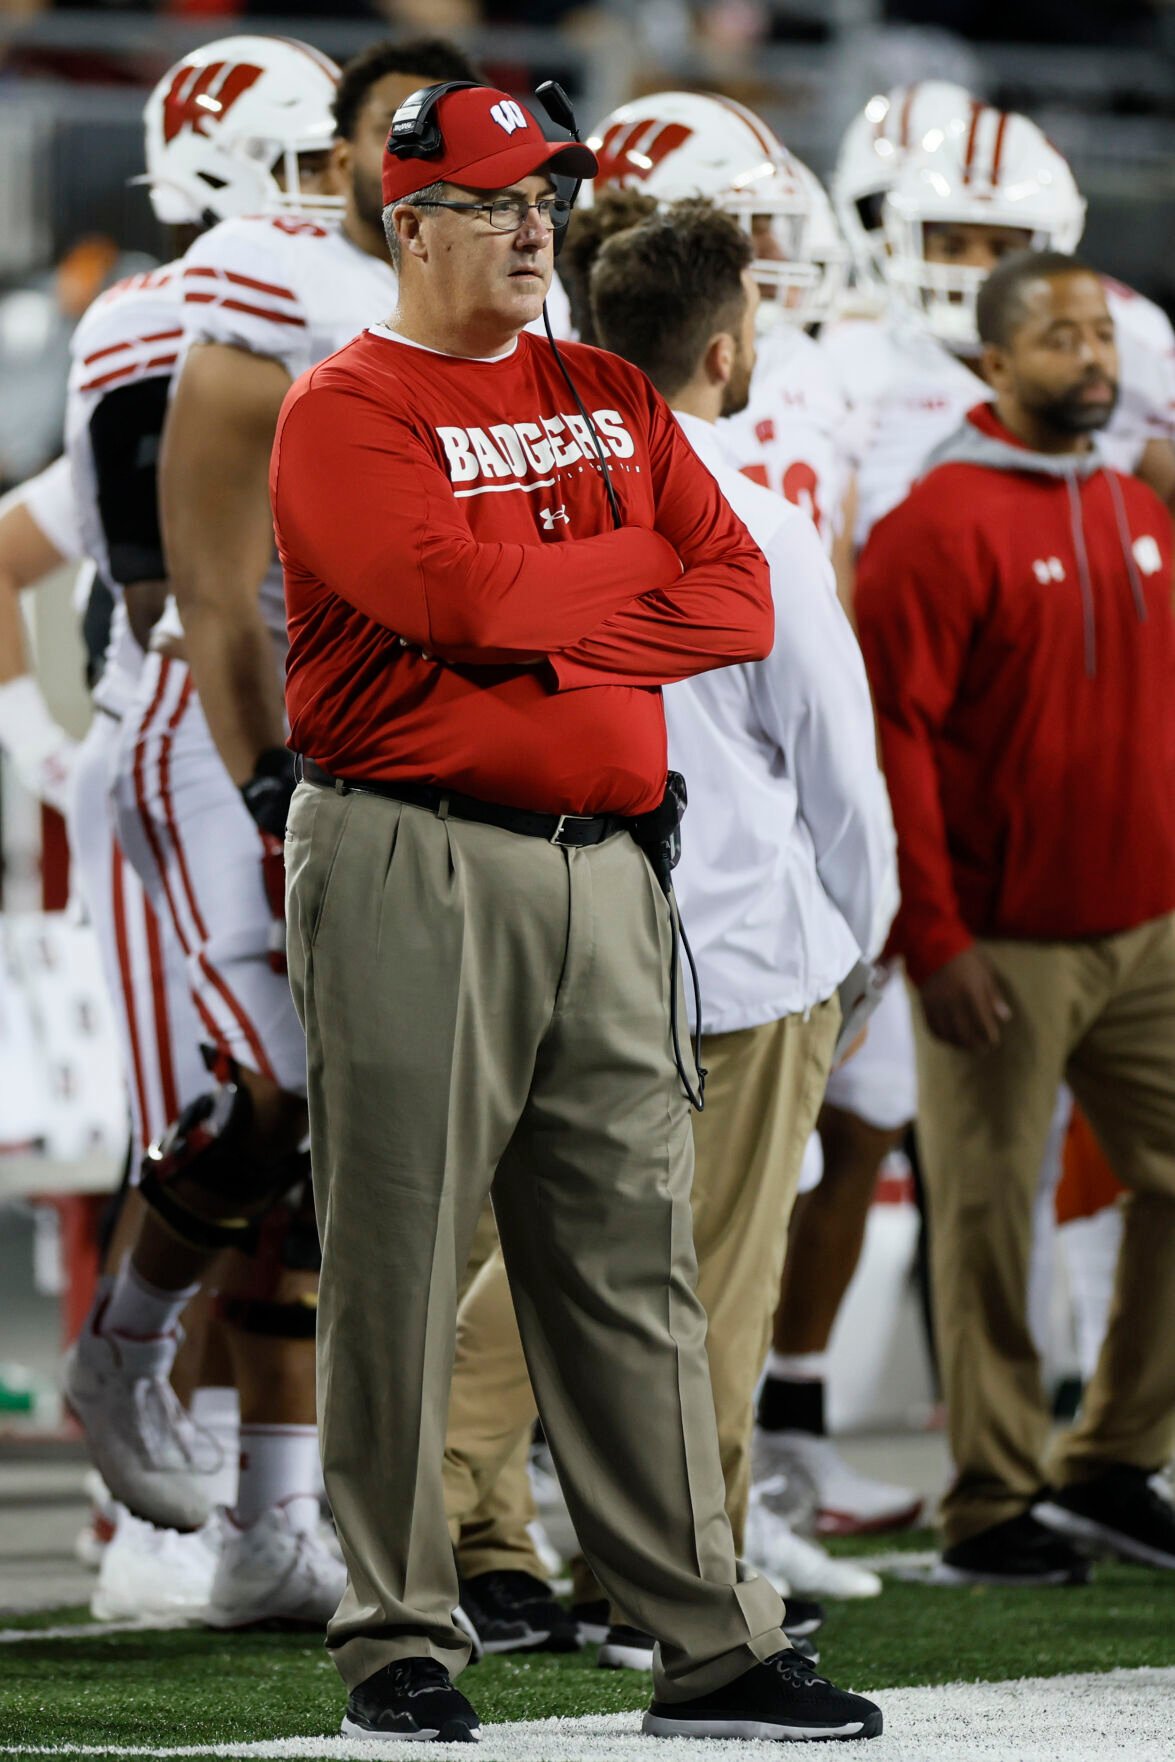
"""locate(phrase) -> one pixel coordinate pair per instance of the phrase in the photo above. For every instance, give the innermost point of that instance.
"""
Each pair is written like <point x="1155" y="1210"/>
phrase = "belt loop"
<point x="443" y="808"/>
<point x="341" y="788"/>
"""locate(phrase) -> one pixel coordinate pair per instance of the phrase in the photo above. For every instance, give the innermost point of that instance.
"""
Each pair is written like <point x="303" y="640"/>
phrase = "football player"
<point x="243" y="127"/>
<point x="791" y="437"/>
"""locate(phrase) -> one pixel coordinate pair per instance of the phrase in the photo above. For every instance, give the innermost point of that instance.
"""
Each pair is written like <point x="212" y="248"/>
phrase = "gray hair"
<point x="430" y="193"/>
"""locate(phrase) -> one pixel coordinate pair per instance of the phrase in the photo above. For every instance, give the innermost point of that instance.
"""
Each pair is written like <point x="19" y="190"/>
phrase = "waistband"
<point x="560" y="829"/>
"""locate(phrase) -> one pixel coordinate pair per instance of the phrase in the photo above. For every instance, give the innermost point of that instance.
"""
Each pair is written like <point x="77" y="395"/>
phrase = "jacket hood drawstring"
<point x="1123" y="522"/>
<point x="1077" y="533"/>
<point x="972" y="445"/>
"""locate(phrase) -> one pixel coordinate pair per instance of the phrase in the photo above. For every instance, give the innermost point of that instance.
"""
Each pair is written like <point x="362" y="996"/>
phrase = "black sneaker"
<point x="801" y="1619"/>
<point x="593" y="1621"/>
<point x="626" y="1648"/>
<point x="514" y="1612"/>
<point x="1019" y="1551"/>
<point x="785" y="1697"/>
<point x="1123" y="1511"/>
<point x="413" y="1698"/>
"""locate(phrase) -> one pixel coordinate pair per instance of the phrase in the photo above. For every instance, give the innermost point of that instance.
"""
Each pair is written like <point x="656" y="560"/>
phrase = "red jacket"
<point x="1015" y="614"/>
<point x="457" y="507"/>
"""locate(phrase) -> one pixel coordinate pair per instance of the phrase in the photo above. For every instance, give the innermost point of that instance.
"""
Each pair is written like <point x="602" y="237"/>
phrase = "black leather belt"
<point x="561" y="829"/>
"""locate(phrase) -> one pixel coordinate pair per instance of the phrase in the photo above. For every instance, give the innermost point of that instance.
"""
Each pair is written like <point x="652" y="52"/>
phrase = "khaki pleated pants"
<point x="1100" y="1016"/>
<point x="486" y="1009"/>
<point x="763" y="1093"/>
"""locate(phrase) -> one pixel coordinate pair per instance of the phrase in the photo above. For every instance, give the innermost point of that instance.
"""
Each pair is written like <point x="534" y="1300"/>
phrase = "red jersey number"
<point x="800" y="485"/>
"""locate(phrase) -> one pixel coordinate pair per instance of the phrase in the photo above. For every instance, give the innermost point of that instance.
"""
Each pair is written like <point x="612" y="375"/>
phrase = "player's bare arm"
<point x="219" y="539"/>
<point x="844" y="555"/>
<point x="1156" y="467"/>
<point x="26" y="556"/>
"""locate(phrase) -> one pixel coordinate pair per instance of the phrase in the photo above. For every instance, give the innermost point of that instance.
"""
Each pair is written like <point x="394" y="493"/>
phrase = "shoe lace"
<point x="796" y="1671"/>
<point x="165" y="1425"/>
<point x="413" y="1676"/>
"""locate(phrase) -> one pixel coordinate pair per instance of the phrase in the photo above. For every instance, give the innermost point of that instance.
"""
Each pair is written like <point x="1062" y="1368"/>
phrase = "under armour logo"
<point x="200" y="95"/>
<point x="548" y="516"/>
<point x="508" y="115"/>
<point x="1147" y="554"/>
<point x="1048" y="569"/>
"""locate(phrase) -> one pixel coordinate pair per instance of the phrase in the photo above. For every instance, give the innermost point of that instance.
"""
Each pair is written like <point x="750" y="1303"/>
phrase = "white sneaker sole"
<point x="951" y="1577"/>
<point x="624" y="1658"/>
<point x="655" y="1725"/>
<point x="1086" y="1529"/>
<point x="349" y="1729"/>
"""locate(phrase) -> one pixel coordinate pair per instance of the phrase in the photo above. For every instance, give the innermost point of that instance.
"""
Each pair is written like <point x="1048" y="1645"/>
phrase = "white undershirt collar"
<point x="393" y="336"/>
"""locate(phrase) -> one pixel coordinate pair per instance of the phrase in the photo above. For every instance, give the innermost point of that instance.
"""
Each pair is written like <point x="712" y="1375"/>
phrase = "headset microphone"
<point x="557" y="105"/>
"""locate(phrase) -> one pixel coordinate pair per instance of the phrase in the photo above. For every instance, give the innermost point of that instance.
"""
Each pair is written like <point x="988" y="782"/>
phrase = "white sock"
<point x="798" y="1367"/>
<point x="218" y="1411"/>
<point x="141" y="1310"/>
<point x="279" y="1466"/>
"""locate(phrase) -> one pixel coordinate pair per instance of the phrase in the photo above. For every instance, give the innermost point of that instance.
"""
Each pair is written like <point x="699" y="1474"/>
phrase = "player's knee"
<point x="207" y="1179"/>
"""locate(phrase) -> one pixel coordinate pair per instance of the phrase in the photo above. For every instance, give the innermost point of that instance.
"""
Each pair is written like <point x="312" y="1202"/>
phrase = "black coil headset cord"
<point x="657" y="832"/>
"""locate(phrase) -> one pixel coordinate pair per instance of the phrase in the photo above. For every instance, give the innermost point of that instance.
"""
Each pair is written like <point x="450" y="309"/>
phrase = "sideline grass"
<point x="192" y="1686"/>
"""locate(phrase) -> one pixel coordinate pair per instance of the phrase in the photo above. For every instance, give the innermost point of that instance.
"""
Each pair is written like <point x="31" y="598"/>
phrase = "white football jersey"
<point x="909" y="393"/>
<point x="791" y="436"/>
<point x="1146" y="376"/>
<point x="130" y="333"/>
<point x="288" y="288"/>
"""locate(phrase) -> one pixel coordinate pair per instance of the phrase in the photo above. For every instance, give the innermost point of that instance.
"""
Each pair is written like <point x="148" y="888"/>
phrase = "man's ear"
<point x="994" y="365"/>
<point x="406" y="221"/>
<point x="342" y="158"/>
<point x="720" y="357"/>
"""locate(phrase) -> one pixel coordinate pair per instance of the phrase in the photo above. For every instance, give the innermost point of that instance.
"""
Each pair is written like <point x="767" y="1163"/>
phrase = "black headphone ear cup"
<point x="421" y="137"/>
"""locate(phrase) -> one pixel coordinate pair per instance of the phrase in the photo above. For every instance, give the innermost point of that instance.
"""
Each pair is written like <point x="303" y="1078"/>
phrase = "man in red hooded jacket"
<point x="1016" y="618"/>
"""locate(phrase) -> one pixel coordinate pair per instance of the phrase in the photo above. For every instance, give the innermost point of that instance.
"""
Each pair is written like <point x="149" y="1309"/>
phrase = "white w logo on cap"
<point x="509" y="115"/>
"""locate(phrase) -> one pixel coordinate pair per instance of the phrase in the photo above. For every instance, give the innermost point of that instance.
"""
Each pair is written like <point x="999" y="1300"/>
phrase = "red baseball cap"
<point x="488" y="140"/>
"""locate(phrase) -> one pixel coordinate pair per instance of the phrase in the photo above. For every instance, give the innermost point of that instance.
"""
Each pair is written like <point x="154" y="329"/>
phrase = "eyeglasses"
<point x="508" y="213"/>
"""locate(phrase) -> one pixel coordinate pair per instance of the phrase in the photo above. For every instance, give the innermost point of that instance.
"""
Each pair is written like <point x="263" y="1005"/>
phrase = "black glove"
<point x="268" y="791"/>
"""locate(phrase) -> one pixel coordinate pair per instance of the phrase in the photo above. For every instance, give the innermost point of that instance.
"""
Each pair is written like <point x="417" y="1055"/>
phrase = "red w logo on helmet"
<point x="200" y="95"/>
<point x="631" y="150"/>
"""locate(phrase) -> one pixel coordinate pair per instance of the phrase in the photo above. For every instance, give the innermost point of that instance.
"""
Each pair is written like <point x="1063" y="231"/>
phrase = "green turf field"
<point x="189" y="1686"/>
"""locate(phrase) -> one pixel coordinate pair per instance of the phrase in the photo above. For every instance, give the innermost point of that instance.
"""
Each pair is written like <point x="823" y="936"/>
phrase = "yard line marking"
<point x="1096" y="1717"/>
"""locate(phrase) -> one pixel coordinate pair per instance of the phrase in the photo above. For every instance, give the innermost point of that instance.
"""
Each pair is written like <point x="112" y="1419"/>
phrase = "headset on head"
<point x="416" y="128"/>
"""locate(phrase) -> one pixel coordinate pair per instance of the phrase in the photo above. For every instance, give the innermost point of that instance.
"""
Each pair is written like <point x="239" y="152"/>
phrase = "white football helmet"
<point x="991" y="168"/>
<point x="874" y="149"/>
<point x="677" y="144"/>
<point x="228" y="119"/>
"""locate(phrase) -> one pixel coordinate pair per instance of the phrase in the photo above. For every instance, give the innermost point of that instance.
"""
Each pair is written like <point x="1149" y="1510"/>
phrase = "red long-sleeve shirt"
<point x="458" y="507"/>
<point x="1018" y="634"/>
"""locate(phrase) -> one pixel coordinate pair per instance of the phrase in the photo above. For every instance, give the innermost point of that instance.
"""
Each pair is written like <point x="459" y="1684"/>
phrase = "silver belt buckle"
<point x="557" y="835"/>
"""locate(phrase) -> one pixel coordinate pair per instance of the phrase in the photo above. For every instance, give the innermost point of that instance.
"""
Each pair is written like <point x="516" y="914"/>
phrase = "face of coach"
<point x="472" y="276"/>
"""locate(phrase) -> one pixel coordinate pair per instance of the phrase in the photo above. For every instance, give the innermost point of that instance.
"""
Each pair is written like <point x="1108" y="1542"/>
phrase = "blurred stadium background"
<point x="1099" y="76"/>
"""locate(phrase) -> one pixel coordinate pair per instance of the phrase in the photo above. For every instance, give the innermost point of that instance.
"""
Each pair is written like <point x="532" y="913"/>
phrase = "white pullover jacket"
<point x="788" y="872"/>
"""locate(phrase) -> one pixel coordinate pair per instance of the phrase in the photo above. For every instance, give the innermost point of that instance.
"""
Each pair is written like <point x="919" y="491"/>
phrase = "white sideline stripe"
<point x="84" y="1630"/>
<point x="1115" y="1716"/>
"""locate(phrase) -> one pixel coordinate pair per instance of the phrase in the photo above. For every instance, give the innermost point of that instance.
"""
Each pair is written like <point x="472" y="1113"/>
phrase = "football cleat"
<point x="846" y="1503"/>
<point x="155" y="1575"/>
<point x="274" y="1574"/>
<point x="773" y="1546"/>
<point x="147" y="1449"/>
